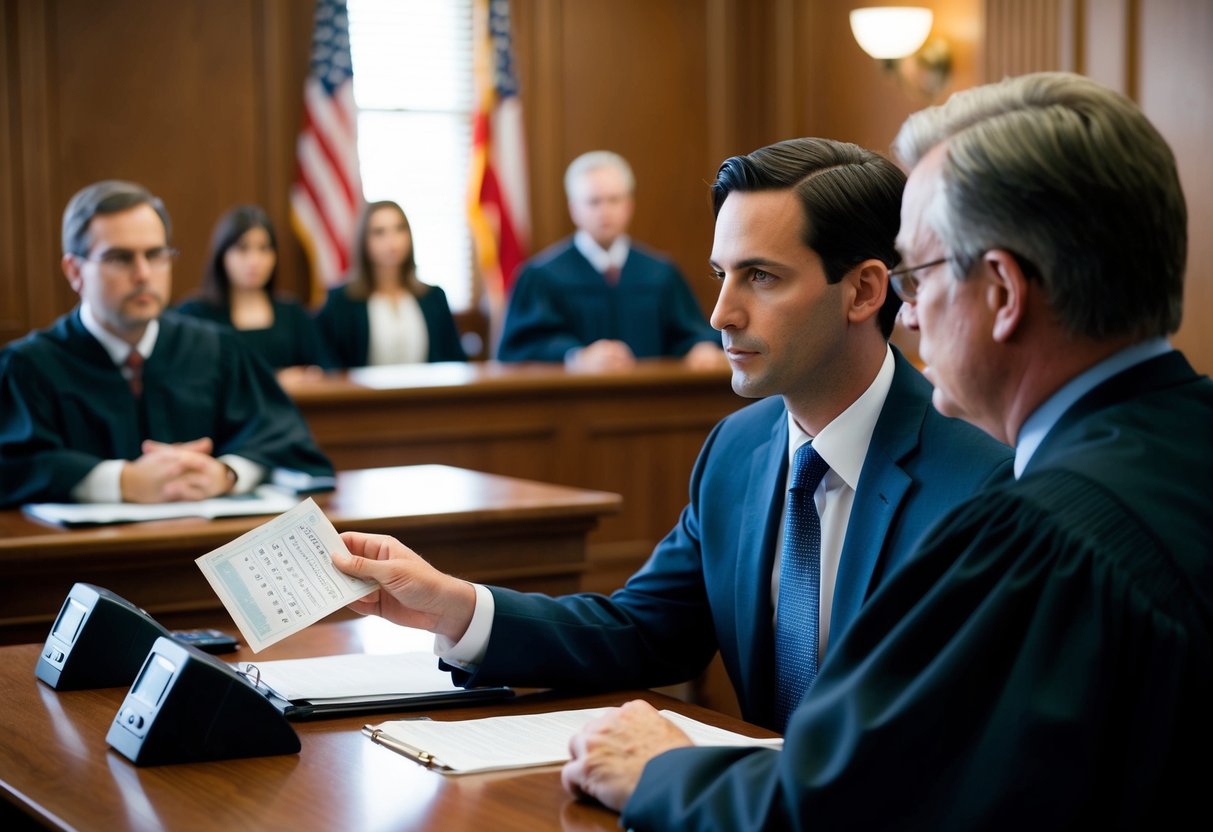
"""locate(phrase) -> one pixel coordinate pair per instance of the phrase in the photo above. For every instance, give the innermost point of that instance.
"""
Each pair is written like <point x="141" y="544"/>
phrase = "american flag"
<point x="328" y="191"/>
<point x="497" y="206"/>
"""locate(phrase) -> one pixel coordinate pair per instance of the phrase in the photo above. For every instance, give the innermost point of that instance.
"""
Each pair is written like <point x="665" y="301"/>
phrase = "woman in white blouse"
<point x="384" y="314"/>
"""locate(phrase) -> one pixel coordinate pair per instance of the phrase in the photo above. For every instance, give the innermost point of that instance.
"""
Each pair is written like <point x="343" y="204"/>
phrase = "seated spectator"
<point x="384" y="314"/>
<point x="238" y="291"/>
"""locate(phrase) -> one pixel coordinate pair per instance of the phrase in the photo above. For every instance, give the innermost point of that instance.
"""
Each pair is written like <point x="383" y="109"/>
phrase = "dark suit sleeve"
<point x="440" y="326"/>
<point x="35" y="463"/>
<point x="1020" y="672"/>
<point x="656" y="630"/>
<point x="535" y="329"/>
<point x="685" y="325"/>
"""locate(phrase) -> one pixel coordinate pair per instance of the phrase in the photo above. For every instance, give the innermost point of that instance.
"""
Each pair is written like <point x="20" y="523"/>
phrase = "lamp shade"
<point x="889" y="32"/>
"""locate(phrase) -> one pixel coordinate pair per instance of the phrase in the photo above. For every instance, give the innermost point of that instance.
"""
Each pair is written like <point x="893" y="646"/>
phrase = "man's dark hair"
<point x="851" y="199"/>
<point x="107" y="197"/>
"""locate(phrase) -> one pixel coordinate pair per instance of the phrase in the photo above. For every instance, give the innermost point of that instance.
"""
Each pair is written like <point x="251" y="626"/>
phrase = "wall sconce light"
<point x="891" y="34"/>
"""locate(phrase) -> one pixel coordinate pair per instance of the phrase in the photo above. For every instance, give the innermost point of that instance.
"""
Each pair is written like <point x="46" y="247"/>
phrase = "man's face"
<point x="782" y="325"/>
<point x="126" y="277"/>
<point x="950" y="316"/>
<point x="601" y="204"/>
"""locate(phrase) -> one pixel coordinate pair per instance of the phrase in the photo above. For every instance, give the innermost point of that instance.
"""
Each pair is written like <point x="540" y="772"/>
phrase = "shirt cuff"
<point x="468" y="652"/>
<point x="249" y="474"/>
<point x="103" y="484"/>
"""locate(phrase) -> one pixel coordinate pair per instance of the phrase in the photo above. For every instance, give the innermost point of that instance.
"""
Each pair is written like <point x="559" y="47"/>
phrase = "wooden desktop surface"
<point x="55" y="765"/>
<point x="635" y="433"/>
<point x="483" y="527"/>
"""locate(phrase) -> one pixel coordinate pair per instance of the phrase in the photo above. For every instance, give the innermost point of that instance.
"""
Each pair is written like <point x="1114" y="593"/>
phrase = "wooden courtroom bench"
<point x="482" y="527"/>
<point x="635" y="433"/>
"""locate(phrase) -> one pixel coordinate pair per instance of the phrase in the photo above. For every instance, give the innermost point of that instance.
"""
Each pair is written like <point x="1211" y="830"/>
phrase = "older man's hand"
<point x="610" y="753"/>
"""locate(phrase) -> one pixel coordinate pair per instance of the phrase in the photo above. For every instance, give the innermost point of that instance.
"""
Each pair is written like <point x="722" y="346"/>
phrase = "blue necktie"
<point x="796" y="617"/>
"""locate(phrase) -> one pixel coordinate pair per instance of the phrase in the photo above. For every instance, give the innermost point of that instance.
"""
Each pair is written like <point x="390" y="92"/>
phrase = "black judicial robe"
<point x="1043" y="662"/>
<point x="560" y="302"/>
<point x="64" y="406"/>
<point x="291" y="341"/>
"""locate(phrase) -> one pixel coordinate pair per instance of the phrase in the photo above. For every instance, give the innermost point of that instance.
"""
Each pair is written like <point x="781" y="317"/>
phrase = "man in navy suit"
<point x="597" y="300"/>
<point x="1045" y="659"/>
<point x="804" y="242"/>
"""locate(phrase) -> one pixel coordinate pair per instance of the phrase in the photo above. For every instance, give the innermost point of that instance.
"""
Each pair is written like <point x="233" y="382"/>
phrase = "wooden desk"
<point x="635" y="433"/>
<point x="517" y="533"/>
<point x="56" y="768"/>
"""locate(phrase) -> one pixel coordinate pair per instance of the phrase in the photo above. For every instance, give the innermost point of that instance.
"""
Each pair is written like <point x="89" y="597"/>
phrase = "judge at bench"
<point x="599" y="301"/>
<point x="119" y="400"/>
<point x="804" y="241"/>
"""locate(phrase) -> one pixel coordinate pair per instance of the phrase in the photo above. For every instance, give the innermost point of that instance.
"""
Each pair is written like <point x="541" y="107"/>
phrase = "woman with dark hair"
<point x="384" y="314"/>
<point x="238" y="290"/>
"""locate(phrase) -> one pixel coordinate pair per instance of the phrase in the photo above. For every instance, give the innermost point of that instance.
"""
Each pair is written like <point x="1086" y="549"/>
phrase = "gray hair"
<point x="594" y="160"/>
<point x="107" y="197"/>
<point x="1072" y="179"/>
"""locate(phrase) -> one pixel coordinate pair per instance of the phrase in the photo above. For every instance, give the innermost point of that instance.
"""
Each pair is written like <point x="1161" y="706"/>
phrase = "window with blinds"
<point x="414" y="91"/>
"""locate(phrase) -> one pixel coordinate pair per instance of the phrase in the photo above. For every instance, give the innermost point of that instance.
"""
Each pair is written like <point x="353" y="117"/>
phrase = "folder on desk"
<point x="264" y="499"/>
<point x="329" y="686"/>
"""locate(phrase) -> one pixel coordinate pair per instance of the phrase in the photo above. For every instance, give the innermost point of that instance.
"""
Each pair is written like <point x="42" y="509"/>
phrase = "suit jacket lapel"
<point x="760" y="514"/>
<point x="882" y="487"/>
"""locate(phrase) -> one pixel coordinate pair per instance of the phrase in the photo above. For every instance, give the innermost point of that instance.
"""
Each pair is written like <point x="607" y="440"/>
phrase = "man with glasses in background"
<point x="119" y="400"/>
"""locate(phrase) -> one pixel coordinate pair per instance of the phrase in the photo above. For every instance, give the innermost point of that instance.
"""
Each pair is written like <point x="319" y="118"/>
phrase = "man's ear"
<point x="71" y="270"/>
<point x="1006" y="293"/>
<point x="869" y="282"/>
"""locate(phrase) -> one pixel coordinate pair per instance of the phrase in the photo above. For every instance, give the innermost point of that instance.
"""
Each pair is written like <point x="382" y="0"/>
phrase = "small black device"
<point x="98" y="640"/>
<point x="208" y="640"/>
<point x="186" y="706"/>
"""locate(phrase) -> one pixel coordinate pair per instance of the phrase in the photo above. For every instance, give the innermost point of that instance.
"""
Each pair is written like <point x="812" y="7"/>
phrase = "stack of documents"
<point x="505" y="742"/>
<point x="265" y="499"/>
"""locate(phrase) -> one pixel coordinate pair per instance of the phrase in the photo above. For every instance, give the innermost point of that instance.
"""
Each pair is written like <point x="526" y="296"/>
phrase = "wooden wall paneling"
<point x="1107" y="35"/>
<point x="46" y="293"/>
<point x="1022" y="36"/>
<point x="281" y="45"/>
<point x="539" y="58"/>
<point x="1172" y="79"/>
<point x="853" y="97"/>
<point x="12" y="284"/>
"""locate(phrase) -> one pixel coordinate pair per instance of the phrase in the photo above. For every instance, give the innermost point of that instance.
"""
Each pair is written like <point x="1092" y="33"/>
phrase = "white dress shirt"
<point x="398" y="331"/>
<point x="843" y="444"/>
<point x="603" y="258"/>
<point x="103" y="484"/>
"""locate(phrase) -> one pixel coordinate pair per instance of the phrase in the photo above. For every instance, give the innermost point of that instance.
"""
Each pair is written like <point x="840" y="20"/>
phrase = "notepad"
<point x="361" y="683"/>
<point x="523" y="741"/>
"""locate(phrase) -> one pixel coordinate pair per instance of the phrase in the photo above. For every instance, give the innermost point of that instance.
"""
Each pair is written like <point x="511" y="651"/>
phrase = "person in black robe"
<point x="120" y="400"/>
<point x="1045" y="660"/>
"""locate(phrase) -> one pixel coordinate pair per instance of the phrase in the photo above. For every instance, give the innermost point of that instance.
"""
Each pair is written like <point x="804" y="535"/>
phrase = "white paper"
<point x="264" y="499"/>
<point x="358" y="674"/>
<point x="504" y="742"/>
<point x="279" y="578"/>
